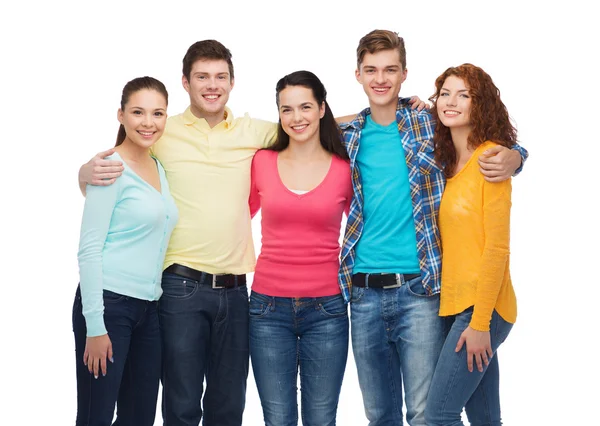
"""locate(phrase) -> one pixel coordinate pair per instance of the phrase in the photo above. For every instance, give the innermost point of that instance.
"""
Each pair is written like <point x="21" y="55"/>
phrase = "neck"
<point x="304" y="151"/>
<point x="460" y="137"/>
<point x="130" y="151"/>
<point x="383" y="114"/>
<point x="211" y="118"/>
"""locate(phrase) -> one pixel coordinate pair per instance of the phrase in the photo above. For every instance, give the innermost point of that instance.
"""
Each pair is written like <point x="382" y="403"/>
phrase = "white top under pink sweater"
<point x="300" y="232"/>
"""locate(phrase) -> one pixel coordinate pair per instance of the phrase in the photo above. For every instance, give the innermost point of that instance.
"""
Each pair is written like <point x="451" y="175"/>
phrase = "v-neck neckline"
<point x="158" y="190"/>
<point x="288" y="190"/>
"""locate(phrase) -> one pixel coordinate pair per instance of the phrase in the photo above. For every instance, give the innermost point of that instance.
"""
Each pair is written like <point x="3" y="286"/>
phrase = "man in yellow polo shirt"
<point x="207" y="154"/>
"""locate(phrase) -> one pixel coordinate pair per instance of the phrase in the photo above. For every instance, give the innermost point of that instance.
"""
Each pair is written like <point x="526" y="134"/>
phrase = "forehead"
<point x="454" y="82"/>
<point x="296" y="95"/>
<point x="210" y="66"/>
<point x="382" y="59"/>
<point x="147" y="98"/>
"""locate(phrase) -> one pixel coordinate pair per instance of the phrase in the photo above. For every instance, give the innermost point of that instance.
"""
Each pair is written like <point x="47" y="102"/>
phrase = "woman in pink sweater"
<point x="298" y="318"/>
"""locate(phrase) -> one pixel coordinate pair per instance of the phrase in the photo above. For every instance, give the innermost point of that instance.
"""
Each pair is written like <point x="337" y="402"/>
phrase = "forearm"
<point x="522" y="156"/>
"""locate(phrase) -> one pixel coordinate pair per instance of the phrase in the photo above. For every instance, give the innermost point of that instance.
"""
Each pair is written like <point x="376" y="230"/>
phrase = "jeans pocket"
<point x="112" y="297"/>
<point x="176" y="288"/>
<point x="259" y="305"/>
<point x="357" y="294"/>
<point x="333" y="307"/>
<point x="415" y="287"/>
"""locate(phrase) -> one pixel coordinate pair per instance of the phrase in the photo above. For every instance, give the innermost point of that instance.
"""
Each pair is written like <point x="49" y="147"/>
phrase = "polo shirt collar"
<point x="190" y="119"/>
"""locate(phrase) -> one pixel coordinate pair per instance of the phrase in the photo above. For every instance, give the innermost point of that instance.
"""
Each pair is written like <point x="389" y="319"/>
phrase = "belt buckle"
<point x="398" y="283"/>
<point x="214" y="283"/>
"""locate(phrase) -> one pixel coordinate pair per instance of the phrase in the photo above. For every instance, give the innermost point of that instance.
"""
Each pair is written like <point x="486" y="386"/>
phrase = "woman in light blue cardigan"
<point x="124" y="235"/>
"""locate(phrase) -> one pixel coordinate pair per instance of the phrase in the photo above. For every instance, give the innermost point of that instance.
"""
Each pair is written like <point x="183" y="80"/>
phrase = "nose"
<point x="451" y="100"/>
<point x="297" y="115"/>
<point x="212" y="83"/>
<point x="148" y="120"/>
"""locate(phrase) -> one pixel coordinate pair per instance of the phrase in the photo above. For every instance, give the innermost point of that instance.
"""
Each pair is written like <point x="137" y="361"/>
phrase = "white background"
<point x="64" y="65"/>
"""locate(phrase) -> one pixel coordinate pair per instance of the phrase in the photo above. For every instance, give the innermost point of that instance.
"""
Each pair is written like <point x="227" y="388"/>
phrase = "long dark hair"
<point x="329" y="132"/>
<point x="133" y="87"/>
<point x="489" y="116"/>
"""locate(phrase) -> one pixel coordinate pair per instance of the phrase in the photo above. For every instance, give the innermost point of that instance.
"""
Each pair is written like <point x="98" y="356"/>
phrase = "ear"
<point x="120" y="116"/>
<point x="357" y="75"/>
<point x="404" y="74"/>
<point x="232" y="82"/>
<point x="322" y="110"/>
<point x="185" y="83"/>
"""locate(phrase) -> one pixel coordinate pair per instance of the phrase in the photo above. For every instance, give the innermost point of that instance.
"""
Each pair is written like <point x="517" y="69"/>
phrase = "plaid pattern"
<point x="427" y="183"/>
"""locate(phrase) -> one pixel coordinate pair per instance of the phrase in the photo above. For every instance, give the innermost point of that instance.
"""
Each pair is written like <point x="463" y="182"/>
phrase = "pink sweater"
<point x="300" y="233"/>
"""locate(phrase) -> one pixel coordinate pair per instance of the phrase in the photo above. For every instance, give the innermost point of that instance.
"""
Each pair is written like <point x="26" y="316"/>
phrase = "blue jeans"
<point x="397" y="337"/>
<point x="290" y="334"/>
<point x="205" y="336"/>
<point x="132" y="380"/>
<point x="454" y="387"/>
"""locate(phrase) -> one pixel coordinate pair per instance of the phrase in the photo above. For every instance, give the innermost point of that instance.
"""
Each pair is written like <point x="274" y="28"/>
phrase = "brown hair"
<point x="204" y="50"/>
<point x="378" y="40"/>
<point x="489" y="116"/>
<point x="134" y="86"/>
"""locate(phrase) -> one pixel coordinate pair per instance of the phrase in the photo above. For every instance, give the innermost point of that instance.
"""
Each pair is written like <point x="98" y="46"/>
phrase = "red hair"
<point x="489" y="116"/>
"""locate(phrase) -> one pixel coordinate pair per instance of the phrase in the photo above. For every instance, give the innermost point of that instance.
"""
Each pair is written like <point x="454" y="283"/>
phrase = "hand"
<point x="479" y="345"/>
<point x="97" y="350"/>
<point x="418" y="104"/>
<point x="499" y="163"/>
<point x="99" y="171"/>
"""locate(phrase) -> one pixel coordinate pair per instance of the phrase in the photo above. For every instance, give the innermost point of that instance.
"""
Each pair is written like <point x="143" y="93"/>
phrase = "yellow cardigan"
<point x="474" y="222"/>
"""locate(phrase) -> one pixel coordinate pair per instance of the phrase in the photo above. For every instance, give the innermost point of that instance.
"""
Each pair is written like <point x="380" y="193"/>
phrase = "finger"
<point x="103" y="365"/>
<point x="490" y="163"/>
<point x="110" y="353"/>
<point x="107" y="168"/>
<point x="491" y="172"/>
<point x="103" y="182"/>
<point x="470" y="362"/>
<point x="479" y="363"/>
<point x="85" y="356"/>
<point x="493" y="150"/>
<point x="485" y="359"/>
<point x="421" y="106"/>
<point x="105" y="153"/>
<point x="96" y="362"/>
<point x="495" y="179"/>
<point x="460" y="344"/>
<point x="101" y="176"/>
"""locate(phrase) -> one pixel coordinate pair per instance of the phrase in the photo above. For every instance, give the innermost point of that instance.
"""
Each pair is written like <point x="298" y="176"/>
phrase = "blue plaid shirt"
<point x="427" y="183"/>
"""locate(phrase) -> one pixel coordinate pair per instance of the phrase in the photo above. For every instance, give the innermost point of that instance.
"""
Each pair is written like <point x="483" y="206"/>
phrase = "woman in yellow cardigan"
<point x="474" y="220"/>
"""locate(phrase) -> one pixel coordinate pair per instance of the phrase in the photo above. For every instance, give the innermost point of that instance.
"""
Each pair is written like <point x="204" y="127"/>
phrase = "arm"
<point x="494" y="261"/>
<point x="97" y="214"/>
<point x="500" y="163"/>
<point x="99" y="171"/>
<point x="254" y="199"/>
<point x="415" y="101"/>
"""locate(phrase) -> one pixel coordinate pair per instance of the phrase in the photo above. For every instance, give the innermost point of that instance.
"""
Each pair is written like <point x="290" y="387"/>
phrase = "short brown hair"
<point x="378" y="40"/>
<point x="203" y="50"/>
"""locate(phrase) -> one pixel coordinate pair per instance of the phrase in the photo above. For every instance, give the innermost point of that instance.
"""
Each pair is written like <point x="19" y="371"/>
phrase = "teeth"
<point x="300" y="127"/>
<point x="379" y="89"/>
<point x="451" y="112"/>
<point x="145" y="133"/>
<point x="211" y="97"/>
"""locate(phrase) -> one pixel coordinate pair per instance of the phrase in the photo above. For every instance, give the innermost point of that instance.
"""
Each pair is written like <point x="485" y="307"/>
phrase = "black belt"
<point x="361" y="279"/>
<point x="217" y="280"/>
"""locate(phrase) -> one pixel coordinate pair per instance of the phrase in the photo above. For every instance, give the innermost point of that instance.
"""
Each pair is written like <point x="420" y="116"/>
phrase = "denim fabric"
<point x="454" y="387"/>
<point x="205" y="336"/>
<point x="397" y="337"/>
<point x="132" y="380"/>
<point x="309" y="335"/>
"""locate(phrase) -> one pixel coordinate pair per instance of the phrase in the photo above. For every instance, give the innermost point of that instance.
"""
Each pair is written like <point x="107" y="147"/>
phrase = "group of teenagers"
<point x="166" y="244"/>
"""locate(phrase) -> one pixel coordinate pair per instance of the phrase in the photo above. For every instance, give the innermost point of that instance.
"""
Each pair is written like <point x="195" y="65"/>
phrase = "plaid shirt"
<point x="426" y="181"/>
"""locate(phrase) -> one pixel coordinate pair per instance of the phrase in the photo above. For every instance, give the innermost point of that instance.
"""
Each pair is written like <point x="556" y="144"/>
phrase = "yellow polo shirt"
<point x="209" y="177"/>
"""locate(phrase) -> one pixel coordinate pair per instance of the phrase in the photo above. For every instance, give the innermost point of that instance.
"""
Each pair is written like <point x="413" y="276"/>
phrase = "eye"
<point x="201" y="77"/>
<point x="444" y="94"/>
<point x="284" y="110"/>
<point x="159" y="114"/>
<point x="137" y="112"/>
<point x="306" y="107"/>
<point x="464" y="95"/>
<point x="370" y="71"/>
<point x="391" y="70"/>
<point x="221" y="77"/>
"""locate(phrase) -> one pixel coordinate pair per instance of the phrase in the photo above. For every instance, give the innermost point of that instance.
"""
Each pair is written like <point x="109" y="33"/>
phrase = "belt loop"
<point x="367" y="280"/>
<point x="399" y="279"/>
<point x="214" y="281"/>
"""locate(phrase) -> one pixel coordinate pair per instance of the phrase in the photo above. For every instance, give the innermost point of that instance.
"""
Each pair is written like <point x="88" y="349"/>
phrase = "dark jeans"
<point x="132" y="380"/>
<point x="205" y="336"/>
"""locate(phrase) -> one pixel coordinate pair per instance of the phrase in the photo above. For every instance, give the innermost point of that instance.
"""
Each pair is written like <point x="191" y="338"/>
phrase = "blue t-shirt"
<point x="388" y="242"/>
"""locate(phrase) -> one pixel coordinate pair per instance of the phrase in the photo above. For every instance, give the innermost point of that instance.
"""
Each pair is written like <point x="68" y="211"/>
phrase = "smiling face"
<point x="454" y="103"/>
<point x="209" y="86"/>
<point x="381" y="75"/>
<point x="300" y="114"/>
<point x="144" y="117"/>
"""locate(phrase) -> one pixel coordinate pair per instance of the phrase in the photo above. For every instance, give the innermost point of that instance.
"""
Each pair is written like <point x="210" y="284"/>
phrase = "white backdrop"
<point x="64" y="65"/>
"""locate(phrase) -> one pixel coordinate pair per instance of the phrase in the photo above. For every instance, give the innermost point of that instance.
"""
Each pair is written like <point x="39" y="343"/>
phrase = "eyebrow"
<point x="302" y="104"/>
<point x="461" y="90"/>
<point x="143" y="109"/>
<point x="384" y="67"/>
